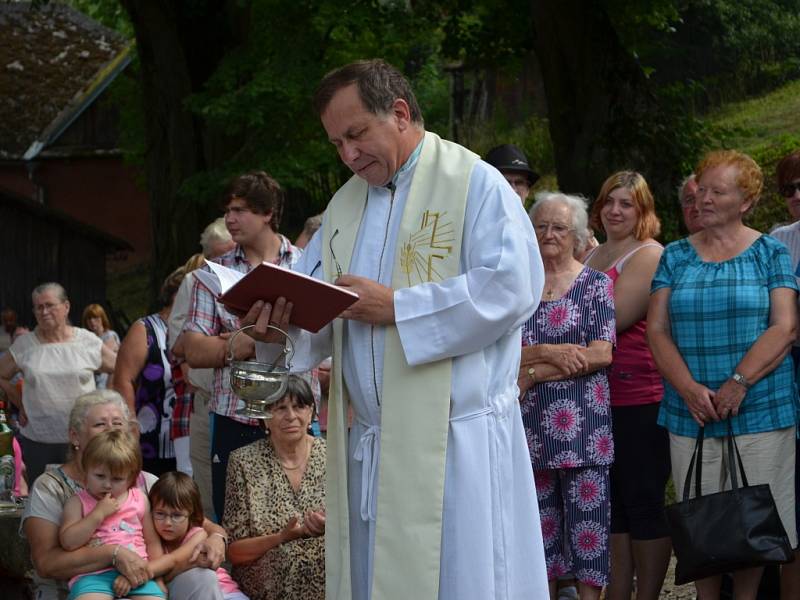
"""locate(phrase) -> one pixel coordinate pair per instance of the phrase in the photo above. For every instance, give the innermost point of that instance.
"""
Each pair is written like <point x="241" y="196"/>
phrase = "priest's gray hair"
<point x="216" y="231"/>
<point x="379" y="84"/>
<point x="577" y="206"/>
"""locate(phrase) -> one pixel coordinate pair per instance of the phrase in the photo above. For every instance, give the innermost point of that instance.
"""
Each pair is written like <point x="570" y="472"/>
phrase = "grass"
<point x="758" y="123"/>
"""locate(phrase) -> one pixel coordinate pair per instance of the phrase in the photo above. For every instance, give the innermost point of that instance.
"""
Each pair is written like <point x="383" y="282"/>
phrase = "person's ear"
<point x="402" y="113"/>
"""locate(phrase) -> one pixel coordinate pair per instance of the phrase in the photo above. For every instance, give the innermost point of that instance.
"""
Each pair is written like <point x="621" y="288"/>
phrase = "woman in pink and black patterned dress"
<point x="567" y="345"/>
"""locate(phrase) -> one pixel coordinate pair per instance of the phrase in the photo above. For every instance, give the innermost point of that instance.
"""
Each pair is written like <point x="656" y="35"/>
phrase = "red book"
<point x="315" y="303"/>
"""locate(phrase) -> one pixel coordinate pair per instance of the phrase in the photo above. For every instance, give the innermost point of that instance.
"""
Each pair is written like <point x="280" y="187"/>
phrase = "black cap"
<point x="510" y="158"/>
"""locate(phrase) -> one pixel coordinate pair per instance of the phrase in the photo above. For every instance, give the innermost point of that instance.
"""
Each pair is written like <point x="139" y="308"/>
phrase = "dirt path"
<point x="670" y="591"/>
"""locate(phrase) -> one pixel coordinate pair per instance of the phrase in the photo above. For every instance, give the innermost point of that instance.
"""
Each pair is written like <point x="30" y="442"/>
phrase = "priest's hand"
<point x="262" y="314"/>
<point x="375" y="304"/>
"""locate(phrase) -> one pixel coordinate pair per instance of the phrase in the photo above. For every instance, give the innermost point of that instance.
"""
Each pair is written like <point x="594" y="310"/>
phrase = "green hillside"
<point x="760" y="123"/>
<point x="767" y="128"/>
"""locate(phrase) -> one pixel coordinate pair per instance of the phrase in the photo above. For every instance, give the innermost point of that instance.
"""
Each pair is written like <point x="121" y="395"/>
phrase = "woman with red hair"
<point x="721" y="323"/>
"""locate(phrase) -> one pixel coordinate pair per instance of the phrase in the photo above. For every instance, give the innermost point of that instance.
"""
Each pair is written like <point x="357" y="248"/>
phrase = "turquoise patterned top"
<point x="717" y="310"/>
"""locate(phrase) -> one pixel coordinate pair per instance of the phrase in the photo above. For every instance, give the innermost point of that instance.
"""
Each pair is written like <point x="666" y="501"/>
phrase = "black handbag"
<point x="726" y="531"/>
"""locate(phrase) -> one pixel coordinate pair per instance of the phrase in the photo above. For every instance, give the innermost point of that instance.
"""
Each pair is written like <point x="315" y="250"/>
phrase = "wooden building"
<point x="59" y="128"/>
<point x="40" y="244"/>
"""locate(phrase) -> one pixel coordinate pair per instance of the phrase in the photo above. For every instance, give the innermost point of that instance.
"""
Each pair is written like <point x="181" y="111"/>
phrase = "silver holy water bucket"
<point x="259" y="384"/>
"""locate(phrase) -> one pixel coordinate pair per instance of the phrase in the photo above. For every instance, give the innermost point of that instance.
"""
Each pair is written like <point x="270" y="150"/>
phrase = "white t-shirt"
<point x="200" y="378"/>
<point x="55" y="374"/>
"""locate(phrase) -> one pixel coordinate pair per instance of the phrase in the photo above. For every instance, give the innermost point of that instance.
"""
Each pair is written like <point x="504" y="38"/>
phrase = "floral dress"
<point x="568" y="426"/>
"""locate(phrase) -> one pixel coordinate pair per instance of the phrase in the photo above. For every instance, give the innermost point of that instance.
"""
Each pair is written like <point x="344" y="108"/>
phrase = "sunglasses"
<point x="788" y="190"/>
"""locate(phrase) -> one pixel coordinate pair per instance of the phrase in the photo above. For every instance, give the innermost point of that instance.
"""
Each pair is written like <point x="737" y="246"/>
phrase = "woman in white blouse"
<point x="57" y="362"/>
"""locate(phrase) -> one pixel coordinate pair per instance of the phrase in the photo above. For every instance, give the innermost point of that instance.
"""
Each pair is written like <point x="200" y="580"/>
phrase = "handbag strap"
<point x="733" y="447"/>
<point x="697" y="458"/>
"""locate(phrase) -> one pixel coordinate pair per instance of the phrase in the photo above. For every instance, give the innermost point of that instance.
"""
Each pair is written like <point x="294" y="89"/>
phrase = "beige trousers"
<point x="200" y="449"/>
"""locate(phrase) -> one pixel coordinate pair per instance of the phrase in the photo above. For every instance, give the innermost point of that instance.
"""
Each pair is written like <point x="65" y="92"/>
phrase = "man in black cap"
<point x="512" y="163"/>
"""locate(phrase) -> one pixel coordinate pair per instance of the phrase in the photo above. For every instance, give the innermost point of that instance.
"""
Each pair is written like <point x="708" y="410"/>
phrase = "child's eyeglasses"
<point x="172" y="517"/>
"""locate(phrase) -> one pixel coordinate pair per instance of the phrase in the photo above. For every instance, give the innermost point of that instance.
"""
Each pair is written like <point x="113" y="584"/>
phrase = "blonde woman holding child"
<point x="111" y="510"/>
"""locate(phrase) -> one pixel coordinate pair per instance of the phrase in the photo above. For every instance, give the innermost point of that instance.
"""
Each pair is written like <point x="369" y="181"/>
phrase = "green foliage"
<point x="108" y="12"/>
<point x="732" y="49"/>
<point x="532" y="137"/>
<point x="480" y="32"/>
<point x="260" y="93"/>
<point x="256" y="104"/>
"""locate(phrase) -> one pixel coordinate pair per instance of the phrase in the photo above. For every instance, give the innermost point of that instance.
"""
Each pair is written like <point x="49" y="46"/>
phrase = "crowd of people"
<point x="504" y="404"/>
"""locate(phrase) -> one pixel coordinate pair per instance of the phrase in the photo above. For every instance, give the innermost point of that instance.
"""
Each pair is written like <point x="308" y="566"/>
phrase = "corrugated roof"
<point x="53" y="61"/>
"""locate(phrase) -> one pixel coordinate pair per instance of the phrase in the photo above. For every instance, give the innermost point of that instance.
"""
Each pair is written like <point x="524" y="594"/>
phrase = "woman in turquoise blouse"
<point x="721" y="322"/>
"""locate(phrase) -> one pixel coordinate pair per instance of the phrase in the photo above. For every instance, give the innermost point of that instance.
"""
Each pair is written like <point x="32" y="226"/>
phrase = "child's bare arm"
<point x="176" y="562"/>
<point x="76" y="530"/>
<point x="151" y="540"/>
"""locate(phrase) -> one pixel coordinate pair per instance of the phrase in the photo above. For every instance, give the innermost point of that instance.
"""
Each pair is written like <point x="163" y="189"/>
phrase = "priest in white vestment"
<point x="430" y="489"/>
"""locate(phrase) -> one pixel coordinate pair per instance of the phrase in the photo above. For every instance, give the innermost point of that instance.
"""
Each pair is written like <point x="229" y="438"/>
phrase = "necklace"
<point x="300" y="463"/>
<point x="294" y="468"/>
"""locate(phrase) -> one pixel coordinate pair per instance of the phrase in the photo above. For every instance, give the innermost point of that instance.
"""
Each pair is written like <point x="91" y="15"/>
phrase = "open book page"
<point x="315" y="302"/>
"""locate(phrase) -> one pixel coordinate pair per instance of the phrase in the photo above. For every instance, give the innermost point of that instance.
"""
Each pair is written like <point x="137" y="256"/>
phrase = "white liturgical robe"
<point x="491" y="536"/>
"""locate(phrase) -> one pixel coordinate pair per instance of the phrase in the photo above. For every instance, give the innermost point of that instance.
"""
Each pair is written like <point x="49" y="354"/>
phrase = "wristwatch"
<point x="741" y="380"/>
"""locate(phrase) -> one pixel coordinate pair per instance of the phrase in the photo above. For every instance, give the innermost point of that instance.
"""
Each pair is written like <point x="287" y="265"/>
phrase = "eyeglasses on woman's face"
<point x="558" y="229"/>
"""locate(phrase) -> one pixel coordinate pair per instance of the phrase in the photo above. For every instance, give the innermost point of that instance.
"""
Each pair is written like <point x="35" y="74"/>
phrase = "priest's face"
<point x="370" y="145"/>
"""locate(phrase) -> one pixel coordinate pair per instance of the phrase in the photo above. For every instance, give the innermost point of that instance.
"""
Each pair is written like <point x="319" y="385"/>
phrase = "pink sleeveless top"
<point x="633" y="377"/>
<point x="124" y="527"/>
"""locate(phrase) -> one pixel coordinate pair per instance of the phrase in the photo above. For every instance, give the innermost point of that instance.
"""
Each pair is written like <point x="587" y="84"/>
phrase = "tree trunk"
<point x="179" y="44"/>
<point x="602" y="112"/>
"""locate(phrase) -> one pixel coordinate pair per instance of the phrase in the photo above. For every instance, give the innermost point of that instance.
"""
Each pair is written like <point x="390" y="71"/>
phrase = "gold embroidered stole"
<point x="415" y="405"/>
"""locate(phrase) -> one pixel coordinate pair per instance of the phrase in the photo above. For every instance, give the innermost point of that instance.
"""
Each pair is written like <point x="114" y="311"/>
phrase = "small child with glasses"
<point x="178" y="518"/>
<point x="111" y="510"/>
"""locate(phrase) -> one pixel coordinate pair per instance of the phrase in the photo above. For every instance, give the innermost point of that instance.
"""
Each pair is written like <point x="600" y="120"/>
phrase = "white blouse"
<point x="55" y="374"/>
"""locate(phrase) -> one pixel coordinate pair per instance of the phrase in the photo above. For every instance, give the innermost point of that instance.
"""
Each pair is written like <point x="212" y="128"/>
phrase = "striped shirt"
<point x="717" y="310"/>
<point x="209" y="317"/>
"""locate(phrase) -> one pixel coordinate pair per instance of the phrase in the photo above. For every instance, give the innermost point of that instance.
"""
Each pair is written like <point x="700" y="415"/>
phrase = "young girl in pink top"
<point x="178" y="518"/>
<point x="110" y="510"/>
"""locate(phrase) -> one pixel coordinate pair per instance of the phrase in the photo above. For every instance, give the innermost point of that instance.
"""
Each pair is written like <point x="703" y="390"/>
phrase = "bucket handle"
<point x="288" y="346"/>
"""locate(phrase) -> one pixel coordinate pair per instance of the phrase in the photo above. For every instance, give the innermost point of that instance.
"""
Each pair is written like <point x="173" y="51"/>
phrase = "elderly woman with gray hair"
<point x="57" y="362"/>
<point x="567" y="345"/>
